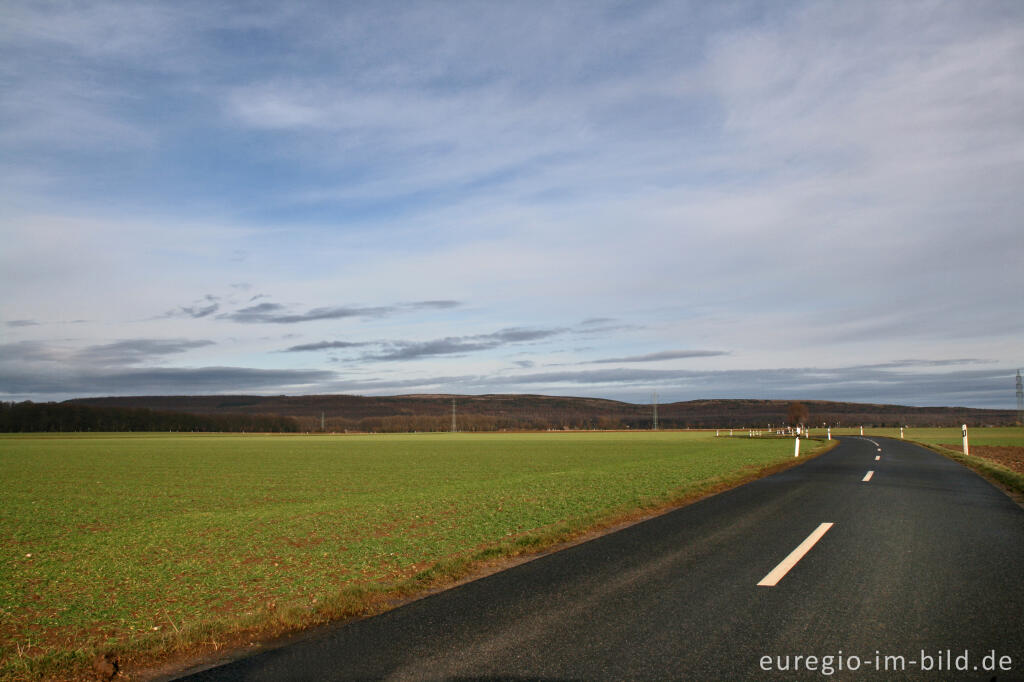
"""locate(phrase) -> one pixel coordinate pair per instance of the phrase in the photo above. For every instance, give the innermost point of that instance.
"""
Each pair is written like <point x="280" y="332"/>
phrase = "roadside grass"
<point x="151" y="544"/>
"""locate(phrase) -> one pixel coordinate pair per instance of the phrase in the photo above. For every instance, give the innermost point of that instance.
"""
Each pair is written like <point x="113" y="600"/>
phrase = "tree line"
<point x="26" y="417"/>
<point x="62" y="417"/>
<point x="75" y="416"/>
<point x="474" y="422"/>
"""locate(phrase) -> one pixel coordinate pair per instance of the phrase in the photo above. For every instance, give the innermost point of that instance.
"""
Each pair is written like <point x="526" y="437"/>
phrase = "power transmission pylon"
<point x="1020" y="400"/>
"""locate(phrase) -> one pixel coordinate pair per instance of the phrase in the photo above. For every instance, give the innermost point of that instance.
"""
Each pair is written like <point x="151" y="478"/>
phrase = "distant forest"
<point x="415" y="413"/>
<point x="46" y="417"/>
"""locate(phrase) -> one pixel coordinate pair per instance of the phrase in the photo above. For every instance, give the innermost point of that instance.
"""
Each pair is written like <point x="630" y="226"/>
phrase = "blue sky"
<point x="813" y="200"/>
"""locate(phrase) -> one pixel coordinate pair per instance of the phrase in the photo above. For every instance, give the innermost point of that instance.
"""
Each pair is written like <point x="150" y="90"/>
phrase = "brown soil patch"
<point x="1010" y="456"/>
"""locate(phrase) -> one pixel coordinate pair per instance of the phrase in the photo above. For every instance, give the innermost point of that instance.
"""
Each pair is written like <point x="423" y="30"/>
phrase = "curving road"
<point x="919" y="576"/>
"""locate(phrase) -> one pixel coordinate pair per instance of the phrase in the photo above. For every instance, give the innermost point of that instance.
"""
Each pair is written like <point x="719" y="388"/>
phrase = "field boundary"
<point x="359" y="602"/>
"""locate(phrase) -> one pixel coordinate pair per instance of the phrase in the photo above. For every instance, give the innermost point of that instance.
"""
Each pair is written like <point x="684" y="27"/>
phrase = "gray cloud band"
<point x="276" y="313"/>
<point x="986" y="387"/>
<point x="665" y="355"/>
<point x="452" y="345"/>
<point x="119" y="353"/>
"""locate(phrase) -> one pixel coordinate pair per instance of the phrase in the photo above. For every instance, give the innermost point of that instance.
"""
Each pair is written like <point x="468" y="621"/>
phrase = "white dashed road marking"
<point x="780" y="571"/>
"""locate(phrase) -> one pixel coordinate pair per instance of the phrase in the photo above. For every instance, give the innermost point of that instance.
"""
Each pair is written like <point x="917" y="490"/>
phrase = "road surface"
<point x="919" y="576"/>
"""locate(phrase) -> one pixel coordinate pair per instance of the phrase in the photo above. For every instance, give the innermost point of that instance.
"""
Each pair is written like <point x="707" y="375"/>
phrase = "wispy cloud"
<point x="136" y="351"/>
<point x="24" y="352"/>
<point x="277" y="313"/>
<point x="22" y="323"/>
<point x="209" y="305"/>
<point x="911" y="363"/>
<point x="132" y="366"/>
<point x="665" y="355"/>
<point x="159" y="381"/>
<point x="392" y="350"/>
<point x="326" y="345"/>
<point x="411" y="350"/>
<point x="458" y="345"/>
<point x="118" y="353"/>
<point x="432" y="305"/>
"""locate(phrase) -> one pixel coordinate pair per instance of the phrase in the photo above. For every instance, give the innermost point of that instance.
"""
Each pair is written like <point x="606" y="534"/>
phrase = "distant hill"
<point x="519" y="411"/>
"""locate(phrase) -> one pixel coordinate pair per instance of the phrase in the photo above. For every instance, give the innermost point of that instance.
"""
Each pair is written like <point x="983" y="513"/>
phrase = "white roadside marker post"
<point x="966" y="452"/>
<point x="796" y="448"/>
<point x="901" y="433"/>
<point x="716" y="433"/>
<point x="862" y="430"/>
<point x="830" y="433"/>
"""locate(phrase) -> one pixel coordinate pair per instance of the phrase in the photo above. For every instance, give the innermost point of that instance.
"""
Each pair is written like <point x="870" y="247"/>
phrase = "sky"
<point x="775" y="200"/>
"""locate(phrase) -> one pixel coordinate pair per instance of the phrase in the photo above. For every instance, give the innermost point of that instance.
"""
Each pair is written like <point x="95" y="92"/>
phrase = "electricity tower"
<point x="453" y="415"/>
<point x="654" y="400"/>
<point x="1020" y="400"/>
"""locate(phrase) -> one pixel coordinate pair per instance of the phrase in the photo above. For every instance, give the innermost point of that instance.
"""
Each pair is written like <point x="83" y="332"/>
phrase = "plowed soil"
<point x="1011" y="457"/>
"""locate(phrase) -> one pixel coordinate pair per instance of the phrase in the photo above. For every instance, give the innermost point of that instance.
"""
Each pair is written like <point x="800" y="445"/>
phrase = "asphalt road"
<point x="920" y="576"/>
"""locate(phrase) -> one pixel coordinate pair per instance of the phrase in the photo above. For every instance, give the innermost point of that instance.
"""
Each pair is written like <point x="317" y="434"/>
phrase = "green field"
<point x="1007" y="436"/>
<point x="1001" y="435"/>
<point x="147" y="543"/>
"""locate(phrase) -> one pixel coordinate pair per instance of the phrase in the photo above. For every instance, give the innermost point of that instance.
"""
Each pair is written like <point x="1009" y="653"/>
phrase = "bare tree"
<point x="797" y="414"/>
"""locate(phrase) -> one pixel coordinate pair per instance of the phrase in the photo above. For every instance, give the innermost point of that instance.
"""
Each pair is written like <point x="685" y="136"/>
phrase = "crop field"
<point x="982" y="439"/>
<point x="150" y="543"/>
<point x="1001" y="435"/>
